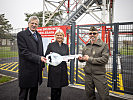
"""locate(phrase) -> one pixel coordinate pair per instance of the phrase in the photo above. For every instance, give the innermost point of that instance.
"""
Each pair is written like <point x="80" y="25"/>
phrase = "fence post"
<point x="72" y="52"/>
<point x="115" y="52"/>
<point x="77" y="53"/>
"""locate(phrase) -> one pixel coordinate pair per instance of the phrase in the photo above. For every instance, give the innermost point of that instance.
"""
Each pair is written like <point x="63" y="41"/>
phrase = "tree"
<point x="5" y="27"/>
<point x="55" y="20"/>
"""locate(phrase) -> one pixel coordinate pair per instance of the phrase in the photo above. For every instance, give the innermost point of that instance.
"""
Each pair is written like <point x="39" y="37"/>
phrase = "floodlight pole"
<point x="43" y="19"/>
<point x="104" y="11"/>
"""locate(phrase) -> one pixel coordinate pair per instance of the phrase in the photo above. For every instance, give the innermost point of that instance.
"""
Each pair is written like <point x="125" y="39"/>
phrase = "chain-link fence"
<point x="9" y="50"/>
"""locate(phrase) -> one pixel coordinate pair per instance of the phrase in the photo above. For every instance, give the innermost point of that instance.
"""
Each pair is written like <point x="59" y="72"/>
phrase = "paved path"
<point x="10" y="91"/>
<point x="13" y="67"/>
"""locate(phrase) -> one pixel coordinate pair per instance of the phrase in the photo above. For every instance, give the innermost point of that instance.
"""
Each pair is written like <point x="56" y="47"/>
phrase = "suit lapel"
<point x="30" y="34"/>
<point x="34" y="42"/>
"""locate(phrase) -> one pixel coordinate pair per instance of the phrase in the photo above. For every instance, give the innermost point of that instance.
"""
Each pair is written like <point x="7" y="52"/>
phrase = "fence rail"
<point x="119" y="37"/>
<point x="119" y="70"/>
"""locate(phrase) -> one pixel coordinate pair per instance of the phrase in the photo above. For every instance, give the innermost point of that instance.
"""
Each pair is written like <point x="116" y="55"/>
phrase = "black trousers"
<point x="25" y="91"/>
<point x="56" y="93"/>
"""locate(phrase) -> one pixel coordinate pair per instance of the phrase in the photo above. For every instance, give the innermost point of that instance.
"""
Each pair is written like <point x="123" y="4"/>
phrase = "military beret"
<point x="92" y="28"/>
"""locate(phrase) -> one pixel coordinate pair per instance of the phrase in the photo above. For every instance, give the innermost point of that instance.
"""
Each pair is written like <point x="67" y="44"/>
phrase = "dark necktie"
<point x="35" y="36"/>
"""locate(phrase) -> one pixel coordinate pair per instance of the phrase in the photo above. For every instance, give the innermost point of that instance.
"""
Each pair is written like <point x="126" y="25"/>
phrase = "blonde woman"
<point x="57" y="75"/>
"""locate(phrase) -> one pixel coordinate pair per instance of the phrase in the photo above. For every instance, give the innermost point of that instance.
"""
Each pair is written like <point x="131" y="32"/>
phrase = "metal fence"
<point x="119" y="70"/>
<point x="8" y="48"/>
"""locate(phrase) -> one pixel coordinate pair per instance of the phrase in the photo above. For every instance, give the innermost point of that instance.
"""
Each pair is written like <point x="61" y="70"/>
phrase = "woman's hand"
<point x="80" y="58"/>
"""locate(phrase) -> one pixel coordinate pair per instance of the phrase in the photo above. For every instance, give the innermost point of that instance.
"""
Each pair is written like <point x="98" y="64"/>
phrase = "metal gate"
<point x="119" y="70"/>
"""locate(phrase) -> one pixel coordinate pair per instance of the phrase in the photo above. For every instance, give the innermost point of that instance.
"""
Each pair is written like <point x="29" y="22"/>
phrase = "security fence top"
<point x="122" y="23"/>
<point x="95" y="25"/>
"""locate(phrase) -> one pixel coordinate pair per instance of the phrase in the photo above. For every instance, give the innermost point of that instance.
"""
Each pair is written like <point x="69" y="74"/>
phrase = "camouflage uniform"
<point x="95" y="70"/>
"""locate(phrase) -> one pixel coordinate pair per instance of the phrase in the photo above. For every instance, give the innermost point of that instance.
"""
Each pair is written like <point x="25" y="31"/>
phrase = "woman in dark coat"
<point x="57" y="75"/>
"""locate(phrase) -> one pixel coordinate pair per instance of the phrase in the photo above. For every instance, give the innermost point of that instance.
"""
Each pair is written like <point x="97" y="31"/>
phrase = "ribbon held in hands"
<point x="55" y="58"/>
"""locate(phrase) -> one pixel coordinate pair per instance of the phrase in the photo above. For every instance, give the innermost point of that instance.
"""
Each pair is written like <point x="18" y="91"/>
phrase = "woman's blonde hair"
<point x="59" y="31"/>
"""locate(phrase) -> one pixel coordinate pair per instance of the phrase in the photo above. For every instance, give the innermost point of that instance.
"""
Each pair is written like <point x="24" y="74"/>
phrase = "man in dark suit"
<point x="31" y="60"/>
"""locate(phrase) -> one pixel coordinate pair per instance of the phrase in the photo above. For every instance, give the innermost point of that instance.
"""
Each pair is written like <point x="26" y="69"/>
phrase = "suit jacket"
<point x="30" y="65"/>
<point x="57" y="75"/>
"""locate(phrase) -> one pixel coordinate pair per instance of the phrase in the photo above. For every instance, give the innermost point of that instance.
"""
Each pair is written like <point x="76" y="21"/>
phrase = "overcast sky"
<point x="14" y="11"/>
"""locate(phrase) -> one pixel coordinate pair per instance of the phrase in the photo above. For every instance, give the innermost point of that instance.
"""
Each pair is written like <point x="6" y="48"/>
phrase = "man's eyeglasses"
<point x="92" y="33"/>
<point x="34" y="23"/>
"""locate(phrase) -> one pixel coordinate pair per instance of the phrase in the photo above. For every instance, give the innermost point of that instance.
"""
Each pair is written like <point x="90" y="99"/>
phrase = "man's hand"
<point x="84" y="58"/>
<point x="43" y="59"/>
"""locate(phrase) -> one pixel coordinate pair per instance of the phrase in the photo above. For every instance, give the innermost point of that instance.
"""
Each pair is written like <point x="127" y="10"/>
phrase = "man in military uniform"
<point x="96" y="55"/>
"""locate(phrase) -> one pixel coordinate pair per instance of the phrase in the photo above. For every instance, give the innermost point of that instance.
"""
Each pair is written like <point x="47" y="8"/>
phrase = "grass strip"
<point x="4" y="79"/>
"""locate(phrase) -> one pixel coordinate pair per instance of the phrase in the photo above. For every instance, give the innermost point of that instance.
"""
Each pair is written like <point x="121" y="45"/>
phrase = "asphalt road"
<point x="8" y="60"/>
<point x="10" y="91"/>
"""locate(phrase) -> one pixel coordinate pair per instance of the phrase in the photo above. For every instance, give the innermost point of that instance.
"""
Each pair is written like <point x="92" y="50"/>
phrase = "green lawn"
<point x="5" y="52"/>
<point x="126" y="51"/>
<point x="4" y="79"/>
